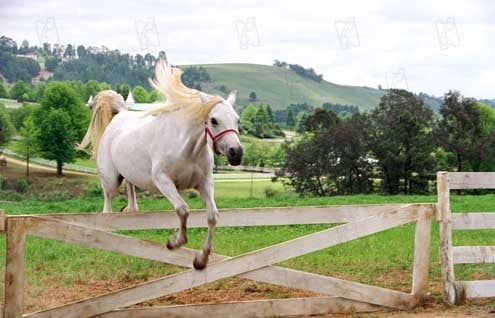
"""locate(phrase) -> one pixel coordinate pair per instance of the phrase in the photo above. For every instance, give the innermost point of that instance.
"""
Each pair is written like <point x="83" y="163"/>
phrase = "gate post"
<point x="422" y="241"/>
<point x="14" y="268"/>
<point x="445" y="227"/>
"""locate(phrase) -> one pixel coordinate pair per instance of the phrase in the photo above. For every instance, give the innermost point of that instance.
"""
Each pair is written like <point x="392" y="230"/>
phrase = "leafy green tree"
<point x="28" y="145"/>
<point x="92" y="88"/>
<point x="140" y="94"/>
<point x="6" y="127"/>
<point x="459" y="129"/>
<point x="51" y="63"/>
<point x="104" y="86"/>
<point x="20" y="90"/>
<point x="291" y="122"/>
<point x="60" y="95"/>
<point x="269" y="115"/>
<point x="3" y="91"/>
<point x="484" y="158"/>
<point x="18" y="115"/>
<point x="154" y="96"/>
<point x="58" y="137"/>
<point x="123" y="89"/>
<point x="252" y="97"/>
<point x="401" y="141"/>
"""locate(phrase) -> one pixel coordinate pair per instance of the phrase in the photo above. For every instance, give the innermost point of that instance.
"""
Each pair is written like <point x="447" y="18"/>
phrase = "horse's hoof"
<point x="200" y="262"/>
<point x="170" y="246"/>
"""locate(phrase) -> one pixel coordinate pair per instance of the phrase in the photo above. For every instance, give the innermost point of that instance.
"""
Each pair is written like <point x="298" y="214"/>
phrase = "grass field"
<point x="57" y="273"/>
<point x="280" y="87"/>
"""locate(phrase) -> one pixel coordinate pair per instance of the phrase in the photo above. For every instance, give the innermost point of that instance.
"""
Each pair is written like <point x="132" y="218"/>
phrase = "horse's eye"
<point x="214" y="122"/>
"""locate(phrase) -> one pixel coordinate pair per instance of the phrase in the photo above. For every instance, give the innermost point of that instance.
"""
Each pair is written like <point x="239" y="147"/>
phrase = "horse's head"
<point x="223" y="128"/>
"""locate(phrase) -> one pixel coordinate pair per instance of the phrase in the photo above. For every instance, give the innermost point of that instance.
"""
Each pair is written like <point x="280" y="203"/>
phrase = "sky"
<point x="423" y="46"/>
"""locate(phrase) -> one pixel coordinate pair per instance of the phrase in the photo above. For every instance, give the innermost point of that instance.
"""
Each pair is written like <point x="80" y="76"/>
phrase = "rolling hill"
<point x="280" y="87"/>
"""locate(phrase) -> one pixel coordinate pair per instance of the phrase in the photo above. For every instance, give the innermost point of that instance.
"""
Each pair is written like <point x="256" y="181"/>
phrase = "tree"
<point x="269" y="114"/>
<point x="28" y="144"/>
<point x="123" y="89"/>
<point x="92" y="88"/>
<point x="140" y="94"/>
<point x="459" y="129"/>
<point x="20" y="90"/>
<point x="3" y="91"/>
<point x="401" y="141"/>
<point x="51" y="63"/>
<point x="61" y="95"/>
<point x="291" y="122"/>
<point x="6" y="127"/>
<point x="252" y="96"/>
<point x="484" y="159"/>
<point x="58" y="138"/>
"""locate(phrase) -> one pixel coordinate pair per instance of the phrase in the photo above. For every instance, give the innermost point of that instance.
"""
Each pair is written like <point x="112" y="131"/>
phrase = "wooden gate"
<point x="456" y="291"/>
<point x="95" y="230"/>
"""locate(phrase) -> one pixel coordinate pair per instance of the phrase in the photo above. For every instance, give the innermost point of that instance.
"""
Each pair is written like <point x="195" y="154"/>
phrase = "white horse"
<point x="168" y="148"/>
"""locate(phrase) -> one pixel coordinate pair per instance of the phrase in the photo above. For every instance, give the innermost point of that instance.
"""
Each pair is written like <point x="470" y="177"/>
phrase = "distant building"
<point x="130" y="99"/>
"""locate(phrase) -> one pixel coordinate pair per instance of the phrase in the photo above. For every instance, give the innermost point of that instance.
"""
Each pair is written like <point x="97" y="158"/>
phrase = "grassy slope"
<point x="281" y="87"/>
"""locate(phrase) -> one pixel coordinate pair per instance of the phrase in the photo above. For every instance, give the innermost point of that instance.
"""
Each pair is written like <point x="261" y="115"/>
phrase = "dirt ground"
<point x="237" y="289"/>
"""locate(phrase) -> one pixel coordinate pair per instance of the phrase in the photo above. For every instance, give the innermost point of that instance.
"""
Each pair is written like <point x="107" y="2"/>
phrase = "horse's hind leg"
<point x="132" y="205"/>
<point x="110" y="181"/>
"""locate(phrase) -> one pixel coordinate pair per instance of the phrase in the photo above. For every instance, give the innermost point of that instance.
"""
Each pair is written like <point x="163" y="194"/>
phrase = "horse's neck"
<point x="194" y="139"/>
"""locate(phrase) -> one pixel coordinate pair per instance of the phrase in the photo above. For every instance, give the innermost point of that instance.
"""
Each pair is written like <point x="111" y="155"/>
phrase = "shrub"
<point x="270" y="192"/>
<point x="22" y="185"/>
<point x="3" y="183"/>
<point x="92" y="190"/>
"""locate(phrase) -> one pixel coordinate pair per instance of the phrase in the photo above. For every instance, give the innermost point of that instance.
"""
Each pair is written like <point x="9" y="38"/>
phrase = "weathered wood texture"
<point x="421" y="266"/>
<point x="14" y="269"/>
<point x="445" y="226"/>
<point x="473" y="221"/>
<point x="234" y="217"/>
<point x="233" y="266"/>
<point x="478" y="288"/>
<point x="471" y="180"/>
<point x="249" y="309"/>
<point x="474" y="254"/>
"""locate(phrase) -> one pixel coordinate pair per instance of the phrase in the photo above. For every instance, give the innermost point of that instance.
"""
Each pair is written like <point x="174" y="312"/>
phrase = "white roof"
<point x="130" y="99"/>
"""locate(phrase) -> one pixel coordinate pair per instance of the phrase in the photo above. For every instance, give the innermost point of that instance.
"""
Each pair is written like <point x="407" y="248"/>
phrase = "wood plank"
<point x="473" y="221"/>
<point x="478" y="288"/>
<point x="249" y="309"/>
<point x="14" y="270"/>
<point x="230" y="217"/>
<point x="474" y="254"/>
<point x="445" y="227"/>
<point x="421" y="266"/>
<point x="471" y="180"/>
<point x="72" y="233"/>
<point x="2" y="221"/>
<point x="333" y="286"/>
<point x="231" y="267"/>
<point x="77" y="234"/>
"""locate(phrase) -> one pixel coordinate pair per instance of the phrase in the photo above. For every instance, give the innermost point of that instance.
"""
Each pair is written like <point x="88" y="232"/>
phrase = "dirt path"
<point x="44" y="168"/>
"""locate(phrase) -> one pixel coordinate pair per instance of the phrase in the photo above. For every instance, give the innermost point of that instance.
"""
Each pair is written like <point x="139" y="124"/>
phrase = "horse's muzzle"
<point x="234" y="155"/>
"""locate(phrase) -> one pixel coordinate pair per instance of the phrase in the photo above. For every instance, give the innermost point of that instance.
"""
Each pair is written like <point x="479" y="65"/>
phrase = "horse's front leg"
<point x="206" y="191"/>
<point x="168" y="189"/>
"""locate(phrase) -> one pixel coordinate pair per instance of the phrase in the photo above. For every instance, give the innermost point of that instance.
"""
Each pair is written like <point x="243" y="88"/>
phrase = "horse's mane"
<point x="178" y="96"/>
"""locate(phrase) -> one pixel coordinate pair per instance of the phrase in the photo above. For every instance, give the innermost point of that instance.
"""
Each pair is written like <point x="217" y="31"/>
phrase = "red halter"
<point x="215" y="138"/>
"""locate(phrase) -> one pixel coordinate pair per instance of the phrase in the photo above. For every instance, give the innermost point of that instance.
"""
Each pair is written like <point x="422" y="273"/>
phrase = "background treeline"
<point x="308" y="73"/>
<point x="396" y="148"/>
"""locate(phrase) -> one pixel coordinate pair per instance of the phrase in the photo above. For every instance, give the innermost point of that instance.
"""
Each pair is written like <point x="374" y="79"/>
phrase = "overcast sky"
<point x="438" y="45"/>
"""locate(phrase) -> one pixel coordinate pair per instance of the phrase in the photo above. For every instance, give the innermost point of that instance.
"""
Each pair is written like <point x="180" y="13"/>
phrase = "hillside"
<point x="281" y="87"/>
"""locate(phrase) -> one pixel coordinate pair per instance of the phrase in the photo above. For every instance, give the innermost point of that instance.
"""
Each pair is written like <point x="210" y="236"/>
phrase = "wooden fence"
<point x="456" y="291"/>
<point x="337" y="295"/>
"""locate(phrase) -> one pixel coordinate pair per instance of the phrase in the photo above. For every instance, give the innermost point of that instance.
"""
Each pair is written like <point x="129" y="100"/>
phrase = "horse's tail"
<point x="105" y="105"/>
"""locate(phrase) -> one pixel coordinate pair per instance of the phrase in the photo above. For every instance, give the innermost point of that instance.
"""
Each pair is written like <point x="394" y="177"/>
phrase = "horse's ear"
<point x="203" y="97"/>
<point x="232" y="96"/>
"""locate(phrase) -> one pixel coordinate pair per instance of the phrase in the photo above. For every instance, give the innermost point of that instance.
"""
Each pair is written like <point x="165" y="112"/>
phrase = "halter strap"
<point x="215" y="138"/>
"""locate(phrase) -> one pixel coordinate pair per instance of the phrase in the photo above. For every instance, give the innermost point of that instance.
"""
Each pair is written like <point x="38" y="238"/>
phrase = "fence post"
<point x="422" y="241"/>
<point x="14" y="268"/>
<point x="445" y="226"/>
